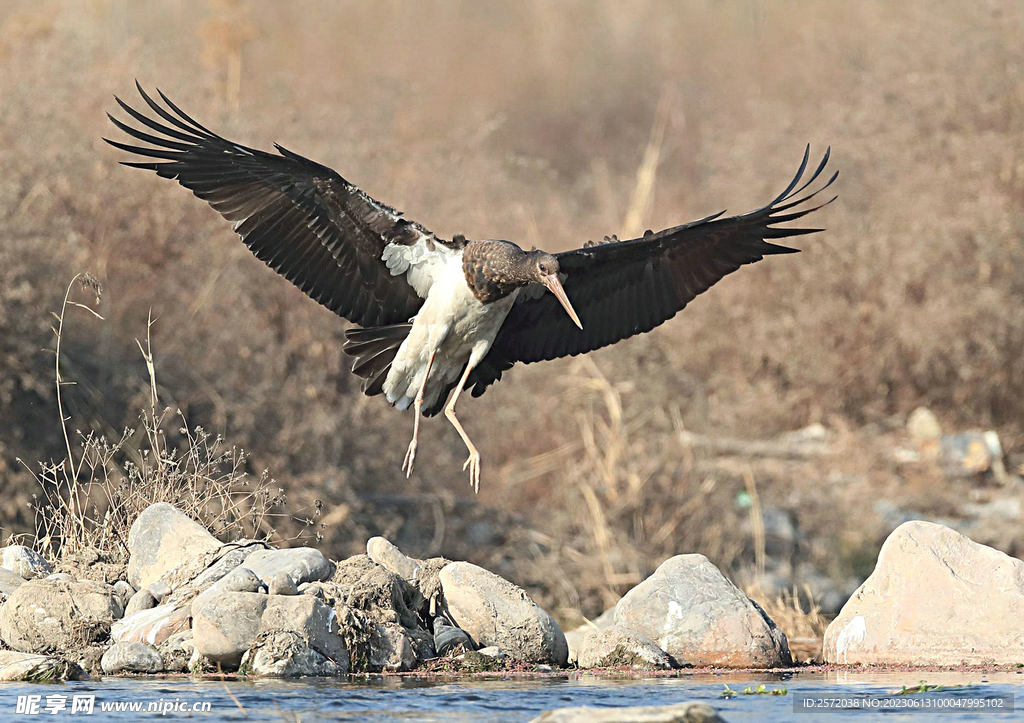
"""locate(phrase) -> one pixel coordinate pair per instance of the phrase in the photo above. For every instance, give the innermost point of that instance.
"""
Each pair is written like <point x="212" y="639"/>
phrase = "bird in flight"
<point x="439" y="316"/>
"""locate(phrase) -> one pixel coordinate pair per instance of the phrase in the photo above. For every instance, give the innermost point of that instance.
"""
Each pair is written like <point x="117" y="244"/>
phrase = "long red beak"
<point x="555" y="286"/>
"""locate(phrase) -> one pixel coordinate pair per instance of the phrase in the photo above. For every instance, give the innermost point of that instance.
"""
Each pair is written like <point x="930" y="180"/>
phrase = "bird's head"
<point x="543" y="269"/>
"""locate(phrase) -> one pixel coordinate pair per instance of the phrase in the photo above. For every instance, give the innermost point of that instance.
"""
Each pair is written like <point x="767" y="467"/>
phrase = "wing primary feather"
<point x="186" y="117"/>
<point x="797" y="202"/>
<point x="140" y="135"/>
<point x="773" y="219"/>
<point x="817" y="172"/>
<point x="159" y="110"/>
<point x="152" y="124"/>
<point x="787" y="232"/>
<point x="155" y="167"/>
<point x="796" y="178"/>
<point x="151" y="152"/>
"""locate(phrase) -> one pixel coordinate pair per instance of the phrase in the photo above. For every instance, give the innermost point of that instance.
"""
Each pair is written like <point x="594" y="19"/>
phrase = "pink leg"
<point x="473" y="463"/>
<point x="410" y="455"/>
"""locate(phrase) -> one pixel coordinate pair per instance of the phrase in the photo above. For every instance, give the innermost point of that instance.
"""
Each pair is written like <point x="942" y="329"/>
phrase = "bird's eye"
<point x="543" y="268"/>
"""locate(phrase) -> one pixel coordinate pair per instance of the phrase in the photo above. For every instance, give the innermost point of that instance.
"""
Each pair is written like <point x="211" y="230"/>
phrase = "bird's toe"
<point x="410" y="459"/>
<point x="473" y="465"/>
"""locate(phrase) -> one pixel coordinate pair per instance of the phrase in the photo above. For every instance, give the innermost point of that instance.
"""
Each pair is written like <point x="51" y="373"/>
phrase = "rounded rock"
<point x="44" y="615"/>
<point x="142" y="600"/>
<point x="160" y="539"/>
<point x="692" y="612"/>
<point x="241" y="579"/>
<point x="616" y="647"/>
<point x="124" y="592"/>
<point x="495" y="612"/>
<point x="159" y="590"/>
<point x="132" y="658"/>
<point x="24" y="561"/>
<point x="302" y="564"/>
<point x="286" y="654"/>
<point x="384" y="553"/>
<point x="282" y="585"/>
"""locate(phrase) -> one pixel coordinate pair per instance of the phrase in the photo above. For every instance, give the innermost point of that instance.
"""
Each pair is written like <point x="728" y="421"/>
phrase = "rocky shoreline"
<point x="187" y="603"/>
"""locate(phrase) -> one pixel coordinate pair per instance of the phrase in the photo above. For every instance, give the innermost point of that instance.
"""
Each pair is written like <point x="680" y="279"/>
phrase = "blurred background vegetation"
<point x="549" y="123"/>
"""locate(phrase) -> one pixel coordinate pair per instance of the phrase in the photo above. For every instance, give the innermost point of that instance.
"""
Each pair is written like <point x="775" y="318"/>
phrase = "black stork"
<point x="440" y="315"/>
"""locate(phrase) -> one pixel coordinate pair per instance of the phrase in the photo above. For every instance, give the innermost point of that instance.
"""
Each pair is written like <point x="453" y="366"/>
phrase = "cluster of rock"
<point x="187" y="602"/>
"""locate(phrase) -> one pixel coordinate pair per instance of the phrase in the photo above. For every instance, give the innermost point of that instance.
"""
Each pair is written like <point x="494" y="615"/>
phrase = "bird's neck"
<point x="493" y="269"/>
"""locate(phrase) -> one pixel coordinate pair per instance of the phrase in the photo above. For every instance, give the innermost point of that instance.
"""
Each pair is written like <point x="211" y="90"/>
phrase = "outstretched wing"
<point x="624" y="288"/>
<point x="358" y="257"/>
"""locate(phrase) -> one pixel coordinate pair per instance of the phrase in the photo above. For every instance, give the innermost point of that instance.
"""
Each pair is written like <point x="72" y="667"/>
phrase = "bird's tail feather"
<point x="374" y="349"/>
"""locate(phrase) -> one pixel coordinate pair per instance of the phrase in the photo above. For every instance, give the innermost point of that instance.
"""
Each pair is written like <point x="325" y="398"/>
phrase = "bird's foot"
<point x="410" y="458"/>
<point x="473" y="465"/>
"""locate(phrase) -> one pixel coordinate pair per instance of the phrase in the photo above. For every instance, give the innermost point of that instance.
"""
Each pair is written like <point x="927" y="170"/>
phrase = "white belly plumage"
<point x="455" y="324"/>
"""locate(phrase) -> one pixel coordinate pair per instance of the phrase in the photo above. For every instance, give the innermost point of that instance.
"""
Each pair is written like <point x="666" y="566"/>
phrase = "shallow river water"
<point x="984" y="696"/>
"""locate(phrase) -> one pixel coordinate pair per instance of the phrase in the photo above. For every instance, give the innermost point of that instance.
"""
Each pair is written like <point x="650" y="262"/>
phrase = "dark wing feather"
<point x="620" y="289"/>
<point x="301" y="218"/>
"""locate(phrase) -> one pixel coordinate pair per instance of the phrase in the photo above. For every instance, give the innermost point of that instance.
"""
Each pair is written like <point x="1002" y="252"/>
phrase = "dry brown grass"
<point x="91" y="497"/>
<point x="798" y="616"/>
<point x="546" y="123"/>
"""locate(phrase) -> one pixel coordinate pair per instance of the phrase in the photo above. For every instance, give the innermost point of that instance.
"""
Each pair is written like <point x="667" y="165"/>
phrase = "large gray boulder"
<point x="24" y="561"/>
<point x="160" y="539"/>
<point x="225" y="626"/>
<point x="678" y="713"/>
<point x="934" y="598"/>
<point x="615" y="647"/>
<point x="131" y="658"/>
<point x="693" y="613"/>
<point x="301" y="564"/>
<point x="42" y="616"/>
<point x="496" y="612"/>
<point x="316" y="622"/>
